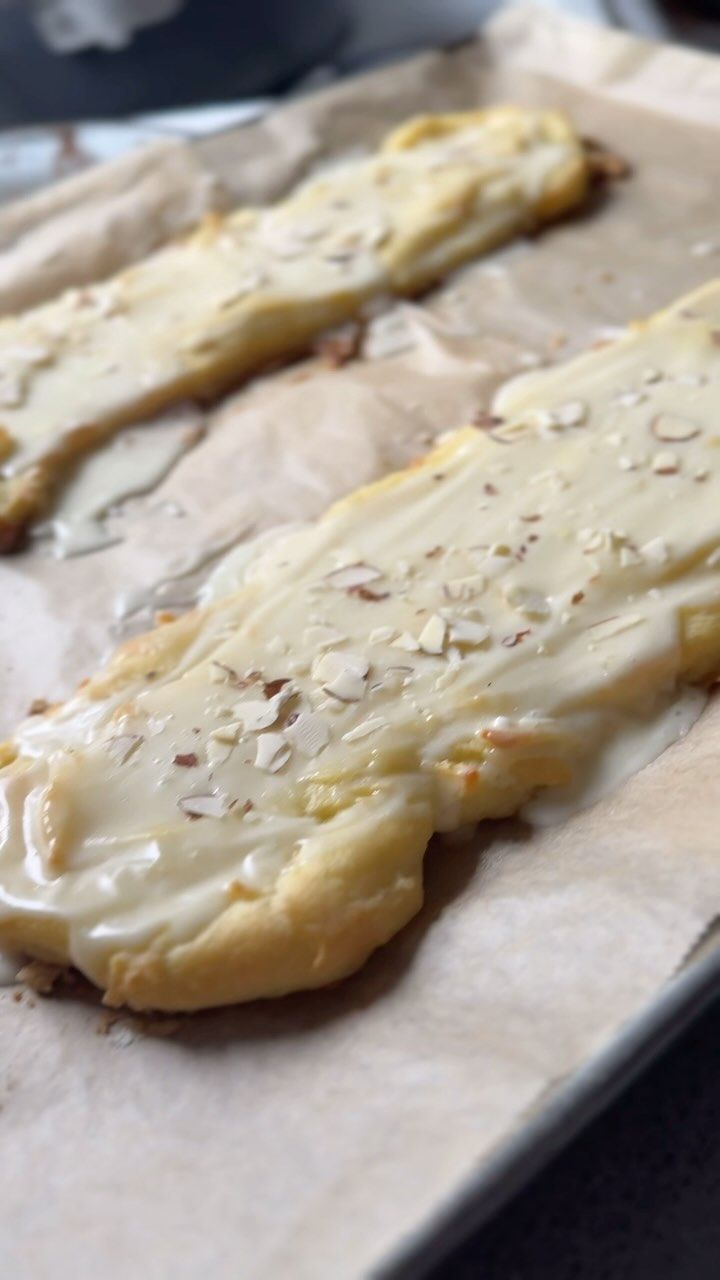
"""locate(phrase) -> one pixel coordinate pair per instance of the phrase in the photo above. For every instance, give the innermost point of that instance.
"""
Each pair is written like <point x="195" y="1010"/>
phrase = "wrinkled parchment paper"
<point x="309" y="1137"/>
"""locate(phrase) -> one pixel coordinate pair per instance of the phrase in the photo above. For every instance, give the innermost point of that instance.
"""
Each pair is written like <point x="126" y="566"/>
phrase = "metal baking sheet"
<point x="561" y="1116"/>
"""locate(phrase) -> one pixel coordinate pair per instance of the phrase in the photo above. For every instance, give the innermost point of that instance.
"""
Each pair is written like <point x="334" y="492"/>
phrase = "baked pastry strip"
<point x="240" y="803"/>
<point x="259" y="284"/>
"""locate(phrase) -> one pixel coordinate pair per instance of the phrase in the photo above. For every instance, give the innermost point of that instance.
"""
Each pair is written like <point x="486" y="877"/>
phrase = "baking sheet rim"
<point x="554" y="1124"/>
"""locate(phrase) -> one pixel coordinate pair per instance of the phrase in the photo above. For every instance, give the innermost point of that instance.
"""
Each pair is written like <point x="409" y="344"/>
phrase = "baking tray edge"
<point x="553" y="1125"/>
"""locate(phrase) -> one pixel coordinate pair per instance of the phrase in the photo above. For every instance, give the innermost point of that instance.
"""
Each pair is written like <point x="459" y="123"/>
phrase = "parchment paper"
<point x="85" y="228"/>
<point x="307" y="1137"/>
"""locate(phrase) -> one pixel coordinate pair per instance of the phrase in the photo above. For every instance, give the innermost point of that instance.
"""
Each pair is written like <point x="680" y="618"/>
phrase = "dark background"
<point x="635" y="1197"/>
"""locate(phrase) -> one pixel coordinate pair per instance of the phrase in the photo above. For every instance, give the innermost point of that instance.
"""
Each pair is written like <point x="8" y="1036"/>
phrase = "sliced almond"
<point x="628" y="399"/>
<point x="509" y="432"/>
<point x="123" y="746"/>
<point x="255" y="715"/>
<point x="212" y="805"/>
<point x="397" y="677"/>
<point x="532" y="604"/>
<point x="546" y="420"/>
<point x="334" y="663"/>
<point x="656" y="551"/>
<point x="609" y="627"/>
<point x="352" y="575"/>
<point x="218" y="751"/>
<point x="665" y="463"/>
<point x="346" y="686"/>
<point x="343" y="675"/>
<point x="572" y="414"/>
<point x="465" y="588"/>
<point x="504" y="737"/>
<point x="432" y="637"/>
<point x="228" y="733"/>
<point x="591" y="540"/>
<point x="407" y="642"/>
<point x="309" y="733"/>
<point x="382" y="635"/>
<point x="363" y="730"/>
<point x="673" y="428"/>
<point x="466" y="633"/>
<point x="271" y="752"/>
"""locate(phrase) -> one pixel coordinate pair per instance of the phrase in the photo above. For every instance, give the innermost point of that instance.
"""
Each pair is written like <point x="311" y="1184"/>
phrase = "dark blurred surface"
<point x="636" y="1197"/>
<point x="213" y="51"/>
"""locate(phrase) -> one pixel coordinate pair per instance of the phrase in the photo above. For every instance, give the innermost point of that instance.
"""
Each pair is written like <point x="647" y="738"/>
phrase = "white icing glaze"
<point x="180" y="586"/>
<point x="199" y="311"/>
<point x="237" y="566"/>
<point x="505" y="616"/>
<point x="634" y="743"/>
<point x="132" y="464"/>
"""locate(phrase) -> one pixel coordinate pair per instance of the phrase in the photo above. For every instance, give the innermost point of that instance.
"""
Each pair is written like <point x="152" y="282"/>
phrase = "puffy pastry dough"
<point x="239" y="804"/>
<point x="259" y="284"/>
